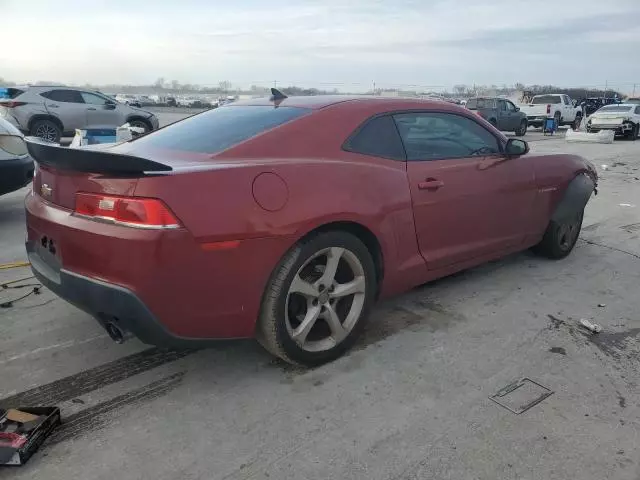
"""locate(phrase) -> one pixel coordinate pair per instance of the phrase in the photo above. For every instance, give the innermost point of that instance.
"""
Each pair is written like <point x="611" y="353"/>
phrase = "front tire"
<point x="560" y="237"/>
<point x="317" y="299"/>
<point x="522" y="129"/>
<point x="136" y="122"/>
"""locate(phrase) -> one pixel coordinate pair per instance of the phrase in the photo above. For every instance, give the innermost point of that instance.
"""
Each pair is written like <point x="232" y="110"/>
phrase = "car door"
<point x="469" y="199"/>
<point x="102" y="111"/>
<point x="514" y="118"/>
<point x="68" y="106"/>
<point x="504" y="118"/>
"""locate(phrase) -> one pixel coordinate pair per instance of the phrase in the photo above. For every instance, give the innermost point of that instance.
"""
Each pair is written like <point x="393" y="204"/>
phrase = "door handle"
<point x="52" y="105"/>
<point x="90" y="108"/>
<point x="430" y="184"/>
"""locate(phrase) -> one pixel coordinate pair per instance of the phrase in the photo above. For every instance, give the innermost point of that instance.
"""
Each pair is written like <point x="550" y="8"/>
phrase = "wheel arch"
<point x="364" y="234"/>
<point x="42" y="116"/>
<point x="575" y="197"/>
<point x="134" y="116"/>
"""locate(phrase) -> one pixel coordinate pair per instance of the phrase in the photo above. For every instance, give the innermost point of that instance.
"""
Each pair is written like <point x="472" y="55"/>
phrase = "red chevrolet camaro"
<point x="286" y="218"/>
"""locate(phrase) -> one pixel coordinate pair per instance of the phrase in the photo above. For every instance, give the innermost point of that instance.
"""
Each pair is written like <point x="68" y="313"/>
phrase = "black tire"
<point x="560" y="238"/>
<point x="577" y="122"/>
<point x="493" y="122"/>
<point x="274" y="330"/>
<point x="139" y="122"/>
<point x="522" y="129"/>
<point x="633" y="136"/>
<point x="558" y="118"/>
<point x="47" y="130"/>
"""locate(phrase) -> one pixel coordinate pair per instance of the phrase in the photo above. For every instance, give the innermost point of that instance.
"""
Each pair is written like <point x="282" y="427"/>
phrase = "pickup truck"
<point x="558" y="106"/>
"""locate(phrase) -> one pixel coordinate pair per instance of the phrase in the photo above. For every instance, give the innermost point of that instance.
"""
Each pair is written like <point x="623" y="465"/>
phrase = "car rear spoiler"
<point x="90" y="161"/>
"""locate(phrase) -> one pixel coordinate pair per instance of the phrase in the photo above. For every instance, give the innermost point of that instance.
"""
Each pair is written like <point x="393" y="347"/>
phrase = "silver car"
<point x="51" y="112"/>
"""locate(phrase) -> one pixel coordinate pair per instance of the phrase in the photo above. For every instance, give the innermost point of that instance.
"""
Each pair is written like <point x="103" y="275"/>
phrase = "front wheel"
<point x="577" y="122"/>
<point x="522" y="129"/>
<point x="140" y="124"/>
<point x="635" y="132"/>
<point x="317" y="299"/>
<point x="560" y="237"/>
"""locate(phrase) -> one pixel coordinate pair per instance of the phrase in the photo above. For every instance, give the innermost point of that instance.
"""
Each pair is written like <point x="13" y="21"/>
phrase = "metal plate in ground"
<point x="521" y="395"/>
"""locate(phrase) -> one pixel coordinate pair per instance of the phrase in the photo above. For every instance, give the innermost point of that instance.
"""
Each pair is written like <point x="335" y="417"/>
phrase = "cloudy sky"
<point x="347" y="44"/>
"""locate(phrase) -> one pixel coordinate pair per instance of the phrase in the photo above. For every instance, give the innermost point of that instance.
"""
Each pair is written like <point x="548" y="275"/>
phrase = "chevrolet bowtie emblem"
<point x="46" y="190"/>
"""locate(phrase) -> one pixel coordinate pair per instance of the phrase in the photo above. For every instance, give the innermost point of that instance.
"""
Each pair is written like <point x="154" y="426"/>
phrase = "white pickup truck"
<point x="555" y="105"/>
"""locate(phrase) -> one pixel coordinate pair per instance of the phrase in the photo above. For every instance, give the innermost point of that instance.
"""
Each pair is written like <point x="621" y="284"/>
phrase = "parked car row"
<point x="51" y="112"/>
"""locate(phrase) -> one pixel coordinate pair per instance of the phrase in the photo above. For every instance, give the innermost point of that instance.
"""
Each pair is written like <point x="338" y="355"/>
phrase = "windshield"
<point x="546" y="99"/>
<point x="216" y="130"/>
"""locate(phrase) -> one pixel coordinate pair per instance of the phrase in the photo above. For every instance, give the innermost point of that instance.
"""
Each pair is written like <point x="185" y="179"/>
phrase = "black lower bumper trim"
<point x="110" y="303"/>
<point x="15" y="174"/>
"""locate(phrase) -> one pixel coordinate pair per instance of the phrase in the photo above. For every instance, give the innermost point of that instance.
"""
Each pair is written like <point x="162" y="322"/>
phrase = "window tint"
<point x="219" y="129"/>
<point x="435" y="136"/>
<point x="503" y="105"/>
<point x="93" y="99"/>
<point x="510" y="107"/>
<point x="67" y="96"/>
<point x="378" y="137"/>
<point x="10" y="92"/>
<point x="481" y="103"/>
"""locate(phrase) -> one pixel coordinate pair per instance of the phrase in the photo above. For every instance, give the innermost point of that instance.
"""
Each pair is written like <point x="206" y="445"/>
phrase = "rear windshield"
<point x="544" y="99"/>
<point x="9" y="92"/>
<point x="219" y="129"/>
<point x="615" y="108"/>
<point x="480" y="103"/>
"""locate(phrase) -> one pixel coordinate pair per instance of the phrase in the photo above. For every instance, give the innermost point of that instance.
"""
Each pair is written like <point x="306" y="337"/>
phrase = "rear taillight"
<point x="11" y="103"/>
<point x="548" y="109"/>
<point x="129" y="211"/>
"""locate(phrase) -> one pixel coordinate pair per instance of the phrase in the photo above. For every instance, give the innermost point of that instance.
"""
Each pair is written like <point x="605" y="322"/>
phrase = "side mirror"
<point x="110" y="105"/>
<point x="516" y="147"/>
<point x="517" y="109"/>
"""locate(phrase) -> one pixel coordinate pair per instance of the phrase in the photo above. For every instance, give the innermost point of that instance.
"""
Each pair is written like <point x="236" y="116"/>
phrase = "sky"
<point x="347" y="44"/>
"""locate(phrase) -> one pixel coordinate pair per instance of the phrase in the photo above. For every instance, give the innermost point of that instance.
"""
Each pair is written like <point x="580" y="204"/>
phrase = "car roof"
<point x="321" y="101"/>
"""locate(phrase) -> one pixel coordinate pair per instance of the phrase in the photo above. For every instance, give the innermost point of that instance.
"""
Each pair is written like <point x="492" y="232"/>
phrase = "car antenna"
<point x="277" y="95"/>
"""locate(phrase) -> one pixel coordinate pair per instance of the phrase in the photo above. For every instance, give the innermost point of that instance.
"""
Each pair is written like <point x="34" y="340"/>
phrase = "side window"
<point x="510" y="106"/>
<point x="66" y="96"/>
<point x="567" y="100"/>
<point x="638" y="110"/>
<point x="437" y="136"/>
<point x="502" y="105"/>
<point x="379" y="138"/>
<point x="93" y="99"/>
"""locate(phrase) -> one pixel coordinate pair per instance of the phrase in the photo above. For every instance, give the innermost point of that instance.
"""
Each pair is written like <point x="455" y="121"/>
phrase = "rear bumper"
<point x="620" y="129"/>
<point x="15" y="174"/>
<point x="162" y="286"/>
<point x="106" y="302"/>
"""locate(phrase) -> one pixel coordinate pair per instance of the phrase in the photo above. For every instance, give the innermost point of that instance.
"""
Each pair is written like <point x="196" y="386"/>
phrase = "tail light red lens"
<point x="11" y="103"/>
<point x="548" y="109"/>
<point x="129" y="211"/>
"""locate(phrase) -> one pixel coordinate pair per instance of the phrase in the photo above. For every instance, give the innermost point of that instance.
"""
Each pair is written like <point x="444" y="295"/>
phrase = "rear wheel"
<point x="317" y="299"/>
<point x="560" y="237"/>
<point x="557" y="118"/>
<point x="522" y="129"/>
<point x="577" y="122"/>
<point x="46" y="130"/>
<point x="633" y="135"/>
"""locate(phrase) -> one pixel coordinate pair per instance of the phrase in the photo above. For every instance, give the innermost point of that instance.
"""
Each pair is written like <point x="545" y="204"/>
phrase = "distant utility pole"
<point x="275" y="84"/>
<point x="374" y="87"/>
<point x="634" y="90"/>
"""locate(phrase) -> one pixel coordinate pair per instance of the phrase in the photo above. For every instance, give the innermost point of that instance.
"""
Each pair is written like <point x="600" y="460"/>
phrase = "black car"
<point x="16" y="166"/>
<point x="501" y="113"/>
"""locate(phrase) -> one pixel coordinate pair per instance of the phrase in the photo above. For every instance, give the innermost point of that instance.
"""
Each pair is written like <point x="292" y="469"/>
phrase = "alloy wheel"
<point x="46" y="132"/>
<point x="325" y="299"/>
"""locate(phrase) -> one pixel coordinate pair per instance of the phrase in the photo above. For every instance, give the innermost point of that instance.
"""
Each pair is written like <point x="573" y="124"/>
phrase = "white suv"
<point x="50" y="112"/>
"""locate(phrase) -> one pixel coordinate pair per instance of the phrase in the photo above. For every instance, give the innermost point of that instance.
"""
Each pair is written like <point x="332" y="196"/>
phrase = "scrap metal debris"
<point x="592" y="327"/>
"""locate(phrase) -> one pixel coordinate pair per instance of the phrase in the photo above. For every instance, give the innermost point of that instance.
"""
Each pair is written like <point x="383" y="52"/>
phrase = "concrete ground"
<point x="411" y="401"/>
